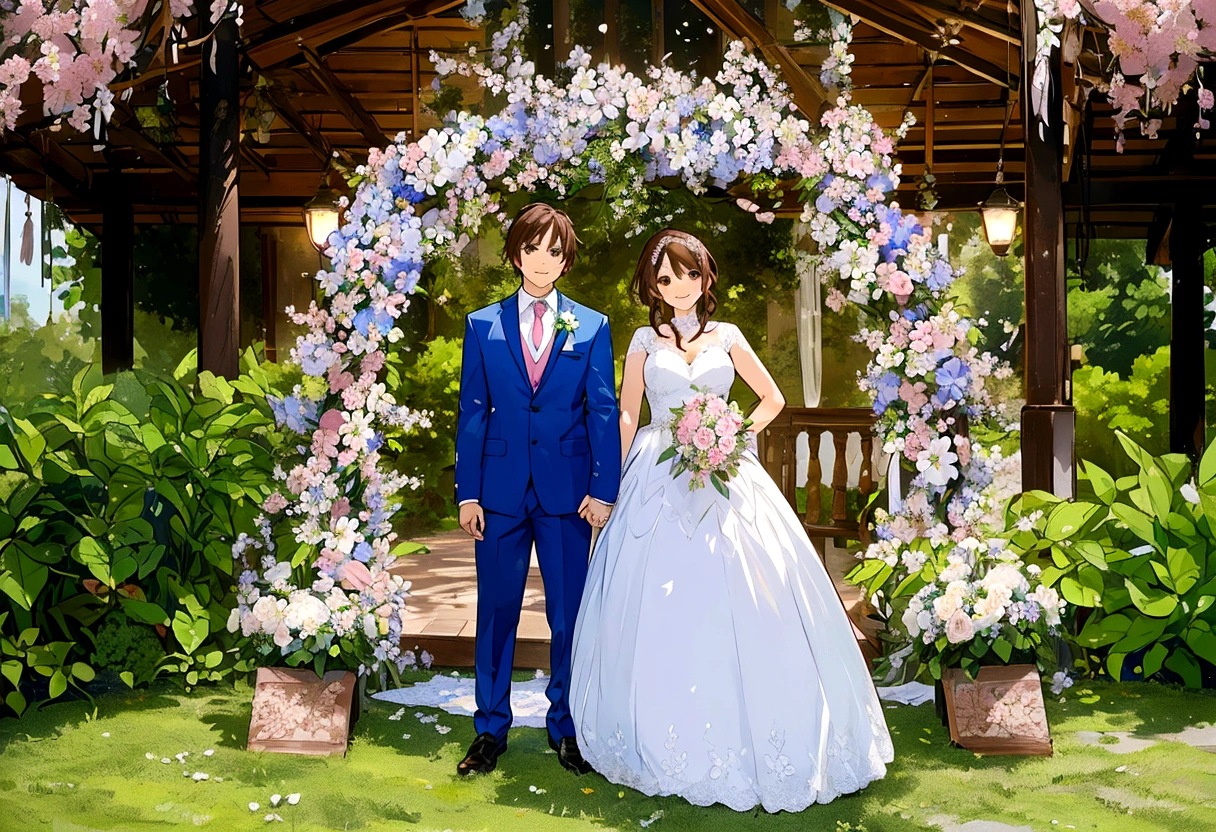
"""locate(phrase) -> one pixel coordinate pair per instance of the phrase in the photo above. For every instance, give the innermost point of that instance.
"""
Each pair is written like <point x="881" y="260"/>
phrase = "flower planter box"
<point x="297" y="712"/>
<point x="1000" y="712"/>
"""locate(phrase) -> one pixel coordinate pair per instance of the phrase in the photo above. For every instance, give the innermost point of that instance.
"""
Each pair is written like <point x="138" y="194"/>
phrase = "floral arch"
<point x="320" y="586"/>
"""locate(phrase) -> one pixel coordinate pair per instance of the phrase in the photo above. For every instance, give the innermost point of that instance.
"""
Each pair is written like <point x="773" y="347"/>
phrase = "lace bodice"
<point x="670" y="378"/>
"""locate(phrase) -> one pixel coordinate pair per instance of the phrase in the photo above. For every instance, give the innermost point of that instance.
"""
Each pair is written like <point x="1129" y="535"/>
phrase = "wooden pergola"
<point x="341" y="77"/>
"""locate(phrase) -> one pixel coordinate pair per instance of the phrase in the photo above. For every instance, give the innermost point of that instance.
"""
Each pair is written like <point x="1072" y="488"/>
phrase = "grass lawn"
<point x="65" y="771"/>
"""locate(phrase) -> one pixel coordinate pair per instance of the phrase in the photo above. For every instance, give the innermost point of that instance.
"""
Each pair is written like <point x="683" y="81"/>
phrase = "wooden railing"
<point x="778" y="450"/>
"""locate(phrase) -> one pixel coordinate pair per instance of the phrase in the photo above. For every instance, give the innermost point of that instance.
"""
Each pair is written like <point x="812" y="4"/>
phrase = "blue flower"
<point x="941" y="276"/>
<point x="953" y="377"/>
<point x="886" y="390"/>
<point x="362" y="552"/>
<point x="825" y="204"/>
<point x="365" y="317"/>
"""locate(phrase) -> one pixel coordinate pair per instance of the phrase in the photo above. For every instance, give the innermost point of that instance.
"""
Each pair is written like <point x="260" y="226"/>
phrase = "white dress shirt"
<point x="527" y="315"/>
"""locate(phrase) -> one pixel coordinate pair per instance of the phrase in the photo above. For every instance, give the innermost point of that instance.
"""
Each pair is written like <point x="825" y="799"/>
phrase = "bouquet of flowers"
<point x="974" y="607"/>
<point x="711" y="435"/>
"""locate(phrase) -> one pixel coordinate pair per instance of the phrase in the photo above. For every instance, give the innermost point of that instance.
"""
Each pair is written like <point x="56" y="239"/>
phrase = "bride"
<point x="712" y="656"/>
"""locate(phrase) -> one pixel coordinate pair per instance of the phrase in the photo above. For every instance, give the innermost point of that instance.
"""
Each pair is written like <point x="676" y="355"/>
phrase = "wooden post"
<point x="612" y="38"/>
<point x="1187" y="390"/>
<point x="117" y="276"/>
<point x="414" y="80"/>
<point x="270" y="293"/>
<point x="219" y="211"/>
<point x="658" y="22"/>
<point x="1048" y="419"/>
<point x="561" y="31"/>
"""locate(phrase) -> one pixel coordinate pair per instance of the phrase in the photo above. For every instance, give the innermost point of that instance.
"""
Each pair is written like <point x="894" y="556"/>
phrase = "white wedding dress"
<point x="712" y="656"/>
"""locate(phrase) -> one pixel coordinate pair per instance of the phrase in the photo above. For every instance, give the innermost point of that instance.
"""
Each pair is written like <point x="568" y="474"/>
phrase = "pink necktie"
<point x="538" y="330"/>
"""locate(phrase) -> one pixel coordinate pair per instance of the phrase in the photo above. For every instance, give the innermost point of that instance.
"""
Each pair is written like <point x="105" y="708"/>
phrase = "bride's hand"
<point x="594" y="512"/>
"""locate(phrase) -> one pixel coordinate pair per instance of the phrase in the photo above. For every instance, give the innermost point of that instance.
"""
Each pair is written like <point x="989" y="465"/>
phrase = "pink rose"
<point x="684" y="435"/>
<point x="899" y="284"/>
<point x="703" y="439"/>
<point x="726" y="444"/>
<point x="715" y="406"/>
<point x="354" y="575"/>
<point x="727" y="426"/>
<point x="690" y="422"/>
<point x="716" y="456"/>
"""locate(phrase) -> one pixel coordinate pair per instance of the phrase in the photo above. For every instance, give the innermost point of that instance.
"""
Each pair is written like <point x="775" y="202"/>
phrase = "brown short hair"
<point x="687" y="253"/>
<point x="532" y="225"/>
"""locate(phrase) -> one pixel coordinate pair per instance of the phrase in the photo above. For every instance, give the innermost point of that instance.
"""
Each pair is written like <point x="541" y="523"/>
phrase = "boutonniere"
<point x="565" y="322"/>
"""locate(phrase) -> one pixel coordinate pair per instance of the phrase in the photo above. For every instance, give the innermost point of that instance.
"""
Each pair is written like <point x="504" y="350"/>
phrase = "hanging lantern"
<point x="1000" y="212"/>
<point x="321" y="215"/>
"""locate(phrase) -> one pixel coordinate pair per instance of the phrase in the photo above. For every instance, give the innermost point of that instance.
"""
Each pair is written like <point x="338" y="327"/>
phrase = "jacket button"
<point x="535" y="409"/>
<point x="534" y="441"/>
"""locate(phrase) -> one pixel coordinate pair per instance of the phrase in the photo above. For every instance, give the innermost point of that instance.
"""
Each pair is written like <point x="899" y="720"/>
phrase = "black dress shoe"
<point x="569" y="755"/>
<point x="482" y="757"/>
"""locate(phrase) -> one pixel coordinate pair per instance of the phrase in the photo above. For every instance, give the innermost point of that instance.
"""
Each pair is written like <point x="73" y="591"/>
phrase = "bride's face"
<point x="679" y="289"/>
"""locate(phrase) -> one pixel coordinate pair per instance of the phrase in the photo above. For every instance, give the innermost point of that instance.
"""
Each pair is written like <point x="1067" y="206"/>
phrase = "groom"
<point x="538" y="461"/>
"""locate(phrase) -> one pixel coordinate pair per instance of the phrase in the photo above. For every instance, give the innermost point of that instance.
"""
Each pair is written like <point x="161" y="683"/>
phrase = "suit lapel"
<point x="559" y="342"/>
<point x="509" y="320"/>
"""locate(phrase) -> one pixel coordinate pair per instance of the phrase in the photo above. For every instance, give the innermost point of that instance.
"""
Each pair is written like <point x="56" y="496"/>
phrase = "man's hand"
<point x="473" y="520"/>
<point x="594" y="512"/>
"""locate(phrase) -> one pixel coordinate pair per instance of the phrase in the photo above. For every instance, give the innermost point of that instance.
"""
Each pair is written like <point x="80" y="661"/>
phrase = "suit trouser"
<point x="563" y="545"/>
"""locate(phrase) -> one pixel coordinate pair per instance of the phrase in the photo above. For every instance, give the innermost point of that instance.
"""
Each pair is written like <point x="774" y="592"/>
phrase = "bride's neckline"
<point x="687" y="325"/>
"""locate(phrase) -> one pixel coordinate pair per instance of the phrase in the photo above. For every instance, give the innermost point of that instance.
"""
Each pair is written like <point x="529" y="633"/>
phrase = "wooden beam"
<point x="219" y="204"/>
<point x="131" y="134"/>
<point x="316" y="142"/>
<point x="409" y="16"/>
<point x="1048" y="419"/>
<point x="809" y="94"/>
<point x="350" y="107"/>
<point x="977" y="20"/>
<point x="561" y="30"/>
<point x="117" y="275"/>
<point x="912" y="32"/>
<point x="277" y="44"/>
<point x="658" y="22"/>
<point x="612" y="37"/>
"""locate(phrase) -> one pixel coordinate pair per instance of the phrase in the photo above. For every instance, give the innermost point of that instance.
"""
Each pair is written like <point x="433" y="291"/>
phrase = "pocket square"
<point x="568" y="346"/>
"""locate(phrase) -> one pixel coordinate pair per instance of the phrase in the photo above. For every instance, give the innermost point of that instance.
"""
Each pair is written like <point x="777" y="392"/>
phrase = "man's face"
<point x="541" y="261"/>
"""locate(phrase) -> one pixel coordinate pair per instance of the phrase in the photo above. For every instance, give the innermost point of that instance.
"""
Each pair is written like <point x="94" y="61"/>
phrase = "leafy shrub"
<point x="124" y="646"/>
<point x="127" y="496"/>
<point x="1140" y="556"/>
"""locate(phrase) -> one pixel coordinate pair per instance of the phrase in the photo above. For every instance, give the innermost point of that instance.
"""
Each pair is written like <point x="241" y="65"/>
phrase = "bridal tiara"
<point x="691" y="243"/>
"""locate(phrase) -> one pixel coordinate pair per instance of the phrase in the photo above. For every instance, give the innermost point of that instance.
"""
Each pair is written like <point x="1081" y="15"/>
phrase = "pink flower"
<point x="1206" y="99"/>
<point x="728" y="426"/>
<point x="275" y="503"/>
<point x="691" y="421"/>
<point x="727" y="443"/>
<point x="347" y="457"/>
<point x="339" y="380"/>
<point x="959" y="628"/>
<point x="340" y="508"/>
<point x="332" y="420"/>
<point x="913" y="394"/>
<point x="899" y="283"/>
<point x="716" y="456"/>
<point x="354" y="575"/>
<point x="714" y="406"/>
<point x="703" y="439"/>
<point x="962" y="446"/>
<point x="684" y="435"/>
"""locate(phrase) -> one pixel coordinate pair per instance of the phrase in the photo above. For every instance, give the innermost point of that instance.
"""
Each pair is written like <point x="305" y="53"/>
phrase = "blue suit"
<point x="530" y="457"/>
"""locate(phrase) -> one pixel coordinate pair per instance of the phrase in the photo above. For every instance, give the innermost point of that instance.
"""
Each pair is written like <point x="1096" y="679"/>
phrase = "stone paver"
<point x="1127" y="744"/>
<point x="1202" y="736"/>
<point x="948" y="823"/>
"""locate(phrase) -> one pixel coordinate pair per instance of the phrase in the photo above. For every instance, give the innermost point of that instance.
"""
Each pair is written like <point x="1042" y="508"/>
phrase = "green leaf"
<point x="1203" y="644"/>
<point x="213" y="659"/>
<point x="1153" y="659"/>
<point x="1150" y="600"/>
<point x="1207" y="466"/>
<point x="1183" y="569"/>
<point x="128" y="677"/>
<point x="1114" y="665"/>
<point x="1184" y="664"/>
<point x="1140" y="524"/>
<point x="1003" y="649"/>
<point x="669" y="453"/>
<point x="1160" y="491"/>
<point x="1105" y="630"/>
<point x="1067" y="519"/>
<point x="719" y="485"/>
<point x="58" y="685"/>
<point x="144" y="612"/>
<point x="15" y="701"/>
<point x="1142" y="632"/>
<point x="1102" y="482"/>
<point x="1082" y="591"/>
<point x="190" y="632"/>
<point x="83" y="672"/>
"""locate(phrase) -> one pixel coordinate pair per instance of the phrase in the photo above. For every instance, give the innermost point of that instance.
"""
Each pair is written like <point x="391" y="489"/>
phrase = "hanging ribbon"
<point x="27" y="235"/>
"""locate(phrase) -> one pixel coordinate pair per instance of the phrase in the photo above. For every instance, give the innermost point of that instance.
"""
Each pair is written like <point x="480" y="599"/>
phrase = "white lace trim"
<point x="735" y="779"/>
<point x="646" y="340"/>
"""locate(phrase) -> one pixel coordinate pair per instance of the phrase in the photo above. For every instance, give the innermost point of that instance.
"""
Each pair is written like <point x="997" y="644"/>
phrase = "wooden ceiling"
<point x="346" y="76"/>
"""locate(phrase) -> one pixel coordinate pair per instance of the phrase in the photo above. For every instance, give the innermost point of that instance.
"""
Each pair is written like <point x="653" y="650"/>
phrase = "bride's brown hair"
<point x="686" y="253"/>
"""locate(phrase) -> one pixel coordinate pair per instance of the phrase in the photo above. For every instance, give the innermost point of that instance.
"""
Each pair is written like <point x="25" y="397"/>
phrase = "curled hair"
<point x="687" y="254"/>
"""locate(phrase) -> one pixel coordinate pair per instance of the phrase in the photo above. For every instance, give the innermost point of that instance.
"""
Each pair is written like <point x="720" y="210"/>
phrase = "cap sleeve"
<point x="731" y="335"/>
<point x="643" y="341"/>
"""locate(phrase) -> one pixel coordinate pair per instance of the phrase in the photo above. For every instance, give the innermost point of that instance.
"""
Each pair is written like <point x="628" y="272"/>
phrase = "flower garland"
<point x="1160" y="42"/>
<point x="75" y="50"/>
<point x="423" y="200"/>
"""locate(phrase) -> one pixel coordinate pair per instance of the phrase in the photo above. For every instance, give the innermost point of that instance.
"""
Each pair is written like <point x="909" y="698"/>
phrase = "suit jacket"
<point x="564" y="436"/>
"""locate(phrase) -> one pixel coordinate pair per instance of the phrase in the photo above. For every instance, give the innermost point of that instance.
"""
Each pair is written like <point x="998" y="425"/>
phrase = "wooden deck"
<point x="442" y="618"/>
